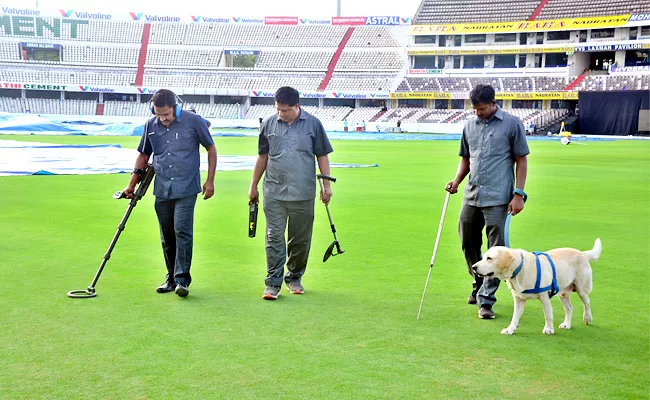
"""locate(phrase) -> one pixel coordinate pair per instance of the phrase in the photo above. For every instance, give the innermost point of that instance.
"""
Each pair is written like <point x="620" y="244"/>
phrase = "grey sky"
<point x="253" y="8"/>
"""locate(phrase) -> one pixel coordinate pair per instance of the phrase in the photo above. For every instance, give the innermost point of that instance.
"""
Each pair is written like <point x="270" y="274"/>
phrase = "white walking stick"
<point x="435" y="250"/>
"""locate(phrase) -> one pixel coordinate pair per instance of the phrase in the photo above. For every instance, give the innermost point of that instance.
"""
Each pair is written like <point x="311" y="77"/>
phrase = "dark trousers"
<point x="300" y="218"/>
<point x="176" y="220"/>
<point x="470" y="228"/>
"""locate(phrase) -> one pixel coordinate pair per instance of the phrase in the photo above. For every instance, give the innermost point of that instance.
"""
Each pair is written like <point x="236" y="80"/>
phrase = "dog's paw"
<point x="565" y="325"/>
<point x="507" y="331"/>
<point x="548" y="331"/>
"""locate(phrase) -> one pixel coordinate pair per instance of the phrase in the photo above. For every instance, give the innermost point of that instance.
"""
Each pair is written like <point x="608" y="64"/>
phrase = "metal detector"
<point x="139" y="192"/>
<point x="335" y="244"/>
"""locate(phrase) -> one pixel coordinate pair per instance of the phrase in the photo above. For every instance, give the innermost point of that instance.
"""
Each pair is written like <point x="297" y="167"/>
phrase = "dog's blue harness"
<point x="553" y="288"/>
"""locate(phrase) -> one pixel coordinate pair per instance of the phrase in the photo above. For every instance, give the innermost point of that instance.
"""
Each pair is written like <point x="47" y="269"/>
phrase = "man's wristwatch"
<point x="521" y="193"/>
<point x="138" y="171"/>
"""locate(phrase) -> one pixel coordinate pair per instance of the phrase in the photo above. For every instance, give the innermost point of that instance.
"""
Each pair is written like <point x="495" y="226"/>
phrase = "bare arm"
<point x="521" y="168"/>
<point x="208" y="187"/>
<point x="521" y="171"/>
<point x="258" y="171"/>
<point x="324" y="167"/>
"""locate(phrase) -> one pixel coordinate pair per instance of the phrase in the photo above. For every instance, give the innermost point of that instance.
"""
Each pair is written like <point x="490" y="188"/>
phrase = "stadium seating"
<point x="9" y="51"/>
<point x="500" y="84"/>
<point x="260" y="111"/>
<point x="255" y="36"/>
<point x="232" y="79"/>
<point x="556" y="9"/>
<point x="363" y="82"/>
<point x="48" y="106"/>
<point x="217" y="110"/>
<point x="328" y="113"/>
<point x="373" y="60"/>
<point x="126" y="108"/>
<point x="101" y="55"/>
<point x="183" y="57"/>
<point x="452" y="11"/>
<point x="94" y="31"/>
<point x="372" y="36"/>
<point x="361" y="114"/>
<point x="295" y="59"/>
<point x="61" y="75"/>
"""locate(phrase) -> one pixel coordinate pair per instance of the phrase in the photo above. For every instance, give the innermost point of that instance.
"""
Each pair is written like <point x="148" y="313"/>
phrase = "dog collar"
<point x="521" y="264"/>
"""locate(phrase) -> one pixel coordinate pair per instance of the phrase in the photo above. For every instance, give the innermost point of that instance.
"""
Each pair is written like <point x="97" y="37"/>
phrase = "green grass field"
<point x="354" y="334"/>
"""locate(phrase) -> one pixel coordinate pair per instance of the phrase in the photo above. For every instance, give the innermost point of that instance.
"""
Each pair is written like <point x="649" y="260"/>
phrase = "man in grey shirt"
<point x="492" y="144"/>
<point x="173" y="137"/>
<point x="288" y="144"/>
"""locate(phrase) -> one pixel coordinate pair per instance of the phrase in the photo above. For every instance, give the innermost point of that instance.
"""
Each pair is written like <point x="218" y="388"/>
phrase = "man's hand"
<point x="326" y="194"/>
<point x="128" y="192"/>
<point x="516" y="205"/>
<point x="208" y="189"/>
<point x="253" y="195"/>
<point x="452" y="187"/>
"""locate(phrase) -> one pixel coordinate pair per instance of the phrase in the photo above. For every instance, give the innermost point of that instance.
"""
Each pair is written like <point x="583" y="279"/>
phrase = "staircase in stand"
<point x="335" y="59"/>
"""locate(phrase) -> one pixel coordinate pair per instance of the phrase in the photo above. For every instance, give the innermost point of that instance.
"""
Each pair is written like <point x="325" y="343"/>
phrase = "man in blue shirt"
<point x="173" y="137"/>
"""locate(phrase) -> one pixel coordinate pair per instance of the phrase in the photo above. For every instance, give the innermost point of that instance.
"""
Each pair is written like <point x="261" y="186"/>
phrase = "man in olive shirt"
<point x="491" y="145"/>
<point x="288" y="144"/>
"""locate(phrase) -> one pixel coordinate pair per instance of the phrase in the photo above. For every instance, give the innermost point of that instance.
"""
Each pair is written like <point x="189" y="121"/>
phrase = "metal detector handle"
<point x="252" y="218"/>
<point x="140" y="191"/>
<point x="329" y="214"/>
<point x="326" y="177"/>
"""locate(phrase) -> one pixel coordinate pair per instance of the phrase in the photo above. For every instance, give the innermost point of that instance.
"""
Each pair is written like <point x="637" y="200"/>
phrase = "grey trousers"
<point x="300" y="217"/>
<point x="176" y="220"/>
<point x="470" y="228"/>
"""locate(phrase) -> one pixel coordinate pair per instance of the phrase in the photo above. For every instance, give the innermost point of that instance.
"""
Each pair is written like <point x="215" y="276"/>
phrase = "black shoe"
<point x="181" y="290"/>
<point x="485" y="312"/>
<point x="166" y="287"/>
<point x="471" y="299"/>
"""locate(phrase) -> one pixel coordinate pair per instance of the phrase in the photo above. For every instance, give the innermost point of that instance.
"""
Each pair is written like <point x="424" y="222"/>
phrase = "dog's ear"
<point x="506" y="259"/>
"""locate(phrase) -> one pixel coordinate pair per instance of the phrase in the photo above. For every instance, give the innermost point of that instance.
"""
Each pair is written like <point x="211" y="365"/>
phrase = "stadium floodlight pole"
<point x="338" y="7"/>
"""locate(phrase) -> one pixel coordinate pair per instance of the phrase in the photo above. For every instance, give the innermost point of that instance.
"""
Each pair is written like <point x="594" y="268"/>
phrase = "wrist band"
<point x="138" y="171"/>
<point x="521" y="193"/>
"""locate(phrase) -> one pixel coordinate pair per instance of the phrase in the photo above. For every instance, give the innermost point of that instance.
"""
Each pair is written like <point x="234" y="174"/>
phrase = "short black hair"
<point x="482" y="94"/>
<point x="164" y="97"/>
<point x="287" y="95"/>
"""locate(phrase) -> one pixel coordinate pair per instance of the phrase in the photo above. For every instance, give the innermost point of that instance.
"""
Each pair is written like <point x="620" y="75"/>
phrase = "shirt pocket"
<point x="275" y="145"/>
<point x="499" y="143"/>
<point x="158" y="142"/>
<point x="304" y="142"/>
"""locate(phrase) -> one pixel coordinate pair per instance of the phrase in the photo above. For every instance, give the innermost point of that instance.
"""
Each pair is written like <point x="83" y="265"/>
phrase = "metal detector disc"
<point x="82" y="294"/>
<point x="329" y="251"/>
<point x="565" y="140"/>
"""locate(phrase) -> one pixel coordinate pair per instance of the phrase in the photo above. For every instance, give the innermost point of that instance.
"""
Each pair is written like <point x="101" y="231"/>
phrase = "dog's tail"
<point x="594" y="254"/>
